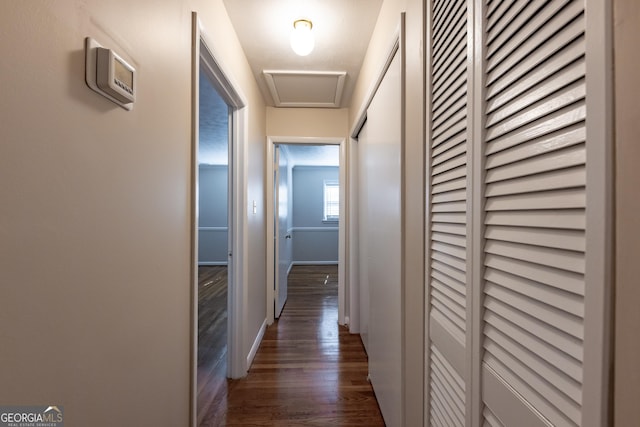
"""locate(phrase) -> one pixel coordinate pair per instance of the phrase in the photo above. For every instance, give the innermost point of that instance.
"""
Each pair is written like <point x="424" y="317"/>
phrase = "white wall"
<point x="377" y="52"/>
<point x="307" y="122"/>
<point x="94" y="219"/>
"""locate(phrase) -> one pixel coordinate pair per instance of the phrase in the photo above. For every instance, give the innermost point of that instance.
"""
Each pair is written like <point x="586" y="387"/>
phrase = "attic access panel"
<point x="305" y="88"/>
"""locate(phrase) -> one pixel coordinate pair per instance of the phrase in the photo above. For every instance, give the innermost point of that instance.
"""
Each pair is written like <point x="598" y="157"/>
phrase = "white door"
<point x="363" y="278"/>
<point x="449" y="222"/>
<point x="282" y="237"/>
<point x="514" y="233"/>
<point x="381" y="161"/>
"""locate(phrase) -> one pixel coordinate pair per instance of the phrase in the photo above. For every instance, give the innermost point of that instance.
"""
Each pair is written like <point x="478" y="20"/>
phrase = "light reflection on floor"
<point x="308" y="369"/>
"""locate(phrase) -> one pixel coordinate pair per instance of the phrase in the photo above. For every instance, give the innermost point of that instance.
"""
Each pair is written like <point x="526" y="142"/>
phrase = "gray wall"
<point x="314" y="241"/>
<point x="212" y="220"/>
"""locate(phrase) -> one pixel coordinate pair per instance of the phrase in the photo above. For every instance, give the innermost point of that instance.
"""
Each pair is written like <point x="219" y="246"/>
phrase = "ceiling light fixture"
<point x="301" y="37"/>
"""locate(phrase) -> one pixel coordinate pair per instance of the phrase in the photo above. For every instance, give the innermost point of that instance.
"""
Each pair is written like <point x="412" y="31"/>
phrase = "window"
<point x="331" y="201"/>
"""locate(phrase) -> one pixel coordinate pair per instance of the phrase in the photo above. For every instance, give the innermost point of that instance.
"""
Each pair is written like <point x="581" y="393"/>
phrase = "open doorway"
<point x="217" y="225"/>
<point x="305" y="213"/>
<point x="214" y="237"/>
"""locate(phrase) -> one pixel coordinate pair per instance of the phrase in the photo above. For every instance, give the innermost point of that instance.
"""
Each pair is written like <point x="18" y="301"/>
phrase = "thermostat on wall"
<point x="109" y="75"/>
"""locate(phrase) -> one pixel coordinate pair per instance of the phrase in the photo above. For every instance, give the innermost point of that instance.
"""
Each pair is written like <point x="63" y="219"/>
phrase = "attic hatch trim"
<point x="319" y="89"/>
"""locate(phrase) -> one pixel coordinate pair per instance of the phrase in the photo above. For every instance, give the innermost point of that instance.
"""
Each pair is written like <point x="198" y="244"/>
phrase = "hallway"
<point x="308" y="370"/>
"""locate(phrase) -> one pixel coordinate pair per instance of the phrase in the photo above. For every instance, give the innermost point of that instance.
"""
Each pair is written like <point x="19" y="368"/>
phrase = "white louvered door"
<point x="508" y="218"/>
<point x="449" y="215"/>
<point x="534" y="207"/>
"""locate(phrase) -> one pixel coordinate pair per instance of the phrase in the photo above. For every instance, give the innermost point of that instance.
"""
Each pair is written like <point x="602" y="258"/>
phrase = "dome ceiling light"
<point x="301" y="37"/>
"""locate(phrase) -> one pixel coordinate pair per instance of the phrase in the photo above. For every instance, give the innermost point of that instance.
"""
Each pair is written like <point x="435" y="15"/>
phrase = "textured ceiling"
<point x="214" y="125"/>
<point x="312" y="155"/>
<point x="342" y="30"/>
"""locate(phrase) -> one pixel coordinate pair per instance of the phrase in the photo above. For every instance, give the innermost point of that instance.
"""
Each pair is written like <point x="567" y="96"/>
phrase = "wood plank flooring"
<point x="212" y="335"/>
<point x="308" y="370"/>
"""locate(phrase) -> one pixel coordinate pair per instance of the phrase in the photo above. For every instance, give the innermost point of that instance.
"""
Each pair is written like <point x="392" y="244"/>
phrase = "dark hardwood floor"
<point x="308" y="370"/>
<point x="212" y="334"/>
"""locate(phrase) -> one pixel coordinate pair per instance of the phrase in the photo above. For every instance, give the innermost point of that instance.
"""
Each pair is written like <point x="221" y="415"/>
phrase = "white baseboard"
<point x="316" y="229"/>
<point x="314" y="263"/>
<point x="289" y="269"/>
<point x="256" y="344"/>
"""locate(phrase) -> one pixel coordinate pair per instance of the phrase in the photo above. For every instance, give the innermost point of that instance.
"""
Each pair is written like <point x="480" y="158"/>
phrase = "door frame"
<point x="276" y="231"/>
<point x="203" y="50"/>
<point x="343" y="225"/>
<point x="414" y="323"/>
<point x="394" y="46"/>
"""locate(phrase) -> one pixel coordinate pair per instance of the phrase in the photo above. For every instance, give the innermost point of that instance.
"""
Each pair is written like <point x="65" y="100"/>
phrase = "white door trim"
<point x="276" y="234"/>
<point x="202" y="48"/>
<point x="342" y="236"/>
<point x="599" y="257"/>
<point x="361" y="118"/>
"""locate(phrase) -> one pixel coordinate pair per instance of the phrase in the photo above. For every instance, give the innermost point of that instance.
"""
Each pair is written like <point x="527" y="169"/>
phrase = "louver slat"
<point x="496" y="10"/>
<point x="535" y="195"/>
<point x="556" y="277"/>
<point x="448" y="387"/>
<point x="515" y="17"/>
<point x="557" y="179"/>
<point x="564" y="118"/>
<point x="448" y="119"/>
<point x="558" y="319"/>
<point x="448" y="214"/>
<point x="450" y="283"/>
<point x="450" y="132"/>
<point x="561" y="342"/>
<point x="454" y="150"/>
<point x="560" y="259"/>
<point x="443" y="89"/>
<point x="544" y="88"/>
<point x="559" y="199"/>
<point x="454" y="184"/>
<point x="538" y="28"/>
<point x="550" y="142"/>
<point x="448" y="317"/>
<point x="564" y="98"/>
<point x="445" y="51"/>
<point x="571" y="219"/>
<point x="452" y="99"/>
<point x="568" y="364"/>
<point x="535" y="51"/>
<point x="445" y="20"/>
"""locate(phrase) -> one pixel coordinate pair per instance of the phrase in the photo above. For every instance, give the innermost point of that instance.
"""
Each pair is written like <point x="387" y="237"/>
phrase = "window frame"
<point x="329" y="204"/>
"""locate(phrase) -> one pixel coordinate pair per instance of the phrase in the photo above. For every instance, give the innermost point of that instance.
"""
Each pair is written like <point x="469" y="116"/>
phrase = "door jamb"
<point x="342" y="228"/>
<point x="202" y="48"/>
